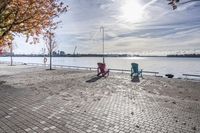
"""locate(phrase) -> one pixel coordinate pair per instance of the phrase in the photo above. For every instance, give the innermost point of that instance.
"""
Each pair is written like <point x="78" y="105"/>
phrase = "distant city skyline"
<point x="131" y="26"/>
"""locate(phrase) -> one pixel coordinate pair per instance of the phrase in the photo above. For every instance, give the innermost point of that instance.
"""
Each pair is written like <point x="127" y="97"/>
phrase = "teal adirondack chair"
<point x="135" y="70"/>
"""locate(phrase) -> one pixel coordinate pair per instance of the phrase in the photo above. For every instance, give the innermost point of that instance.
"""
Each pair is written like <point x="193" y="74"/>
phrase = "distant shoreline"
<point x="106" y="55"/>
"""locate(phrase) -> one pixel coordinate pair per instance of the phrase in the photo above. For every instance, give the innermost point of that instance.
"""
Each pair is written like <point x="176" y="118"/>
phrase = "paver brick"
<point x="121" y="110"/>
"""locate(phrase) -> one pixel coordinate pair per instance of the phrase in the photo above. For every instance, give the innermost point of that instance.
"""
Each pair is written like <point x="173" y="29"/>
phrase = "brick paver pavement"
<point x="125" y="110"/>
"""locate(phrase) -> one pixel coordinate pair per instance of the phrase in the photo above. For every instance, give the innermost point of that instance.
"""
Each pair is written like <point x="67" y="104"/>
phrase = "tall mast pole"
<point x="102" y="29"/>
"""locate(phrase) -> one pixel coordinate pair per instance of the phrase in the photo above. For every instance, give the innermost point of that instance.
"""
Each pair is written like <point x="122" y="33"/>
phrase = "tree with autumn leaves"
<point x="174" y="3"/>
<point x="28" y="17"/>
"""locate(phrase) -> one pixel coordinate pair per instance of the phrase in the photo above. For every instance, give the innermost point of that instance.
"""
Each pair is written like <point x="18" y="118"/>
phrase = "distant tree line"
<point x="184" y="55"/>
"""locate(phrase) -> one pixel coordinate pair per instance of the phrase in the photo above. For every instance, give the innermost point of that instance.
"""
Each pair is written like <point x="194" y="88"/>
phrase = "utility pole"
<point x="102" y="29"/>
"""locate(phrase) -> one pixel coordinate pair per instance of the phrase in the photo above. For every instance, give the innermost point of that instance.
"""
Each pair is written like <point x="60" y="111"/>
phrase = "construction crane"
<point x="75" y="50"/>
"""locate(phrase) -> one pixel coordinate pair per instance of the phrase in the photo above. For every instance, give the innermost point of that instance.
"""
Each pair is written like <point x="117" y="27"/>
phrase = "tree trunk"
<point x="11" y="54"/>
<point x="50" y="54"/>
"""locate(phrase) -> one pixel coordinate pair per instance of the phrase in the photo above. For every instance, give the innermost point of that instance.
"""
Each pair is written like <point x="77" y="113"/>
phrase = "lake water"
<point x="163" y="65"/>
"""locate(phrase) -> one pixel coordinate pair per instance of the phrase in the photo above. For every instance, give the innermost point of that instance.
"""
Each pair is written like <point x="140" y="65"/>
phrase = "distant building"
<point x="62" y="53"/>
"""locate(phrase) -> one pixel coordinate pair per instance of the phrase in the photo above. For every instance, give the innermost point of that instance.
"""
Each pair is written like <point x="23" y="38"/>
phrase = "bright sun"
<point x="132" y="11"/>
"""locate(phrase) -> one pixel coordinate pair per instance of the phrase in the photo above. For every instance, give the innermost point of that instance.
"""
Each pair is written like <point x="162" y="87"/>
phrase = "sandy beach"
<point x="33" y="99"/>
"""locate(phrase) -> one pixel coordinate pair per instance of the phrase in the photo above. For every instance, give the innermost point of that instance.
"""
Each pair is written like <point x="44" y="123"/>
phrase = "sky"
<point x="145" y="27"/>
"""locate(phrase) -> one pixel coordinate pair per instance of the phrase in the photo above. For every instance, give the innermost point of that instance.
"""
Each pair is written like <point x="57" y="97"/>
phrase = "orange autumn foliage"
<point x="28" y="17"/>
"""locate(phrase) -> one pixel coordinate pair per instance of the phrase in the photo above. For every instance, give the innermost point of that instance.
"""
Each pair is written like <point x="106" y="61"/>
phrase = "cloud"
<point x="160" y="29"/>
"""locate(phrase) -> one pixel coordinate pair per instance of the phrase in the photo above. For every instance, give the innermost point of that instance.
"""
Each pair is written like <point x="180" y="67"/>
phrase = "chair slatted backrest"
<point x="102" y="67"/>
<point x="135" y="67"/>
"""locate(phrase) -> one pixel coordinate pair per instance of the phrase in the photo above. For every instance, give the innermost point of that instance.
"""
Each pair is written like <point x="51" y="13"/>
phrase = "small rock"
<point x="174" y="102"/>
<point x="137" y="126"/>
<point x="176" y="121"/>
<point x="132" y="113"/>
<point x="77" y="106"/>
<point x="169" y="75"/>
<point x="194" y="128"/>
<point x="184" y="123"/>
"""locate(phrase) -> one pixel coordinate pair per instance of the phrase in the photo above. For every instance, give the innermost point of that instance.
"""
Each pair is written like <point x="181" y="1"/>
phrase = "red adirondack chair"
<point x="101" y="70"/>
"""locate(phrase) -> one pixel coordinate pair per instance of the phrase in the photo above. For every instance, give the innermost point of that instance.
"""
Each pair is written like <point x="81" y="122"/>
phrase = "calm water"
<point x="163" y="65"/>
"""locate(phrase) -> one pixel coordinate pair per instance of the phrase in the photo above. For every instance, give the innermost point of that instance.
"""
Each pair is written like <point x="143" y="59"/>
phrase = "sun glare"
<point x="131" y="11"/>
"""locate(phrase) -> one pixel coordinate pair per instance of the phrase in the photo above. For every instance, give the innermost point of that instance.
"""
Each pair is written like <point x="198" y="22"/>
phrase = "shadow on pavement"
<point x="93" y="79"/>
<point x="135" y="79"/>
